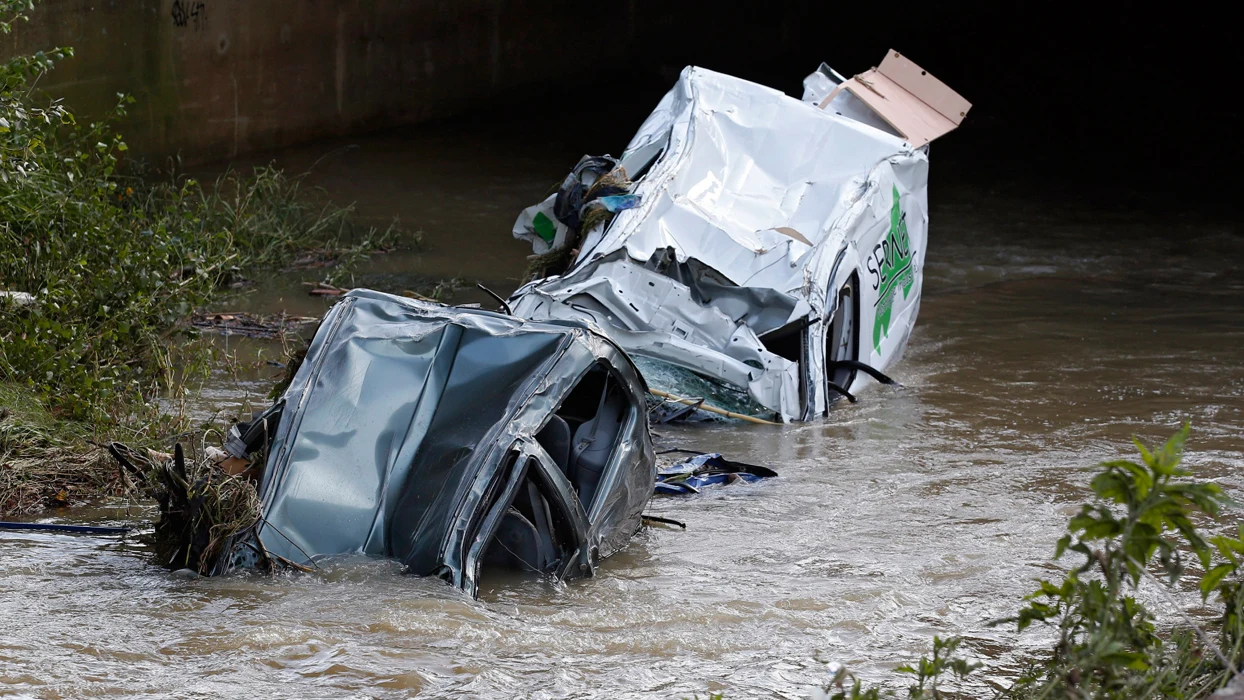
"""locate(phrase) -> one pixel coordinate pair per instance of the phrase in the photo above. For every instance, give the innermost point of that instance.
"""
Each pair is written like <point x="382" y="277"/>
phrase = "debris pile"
<point x="53" y="478"/>
<point x="202" y="505"/>
<point x="596" y="189"/>
<point x="39" y="471"/>
<point x="252" y="325"/>
<point x="706" y="469"/>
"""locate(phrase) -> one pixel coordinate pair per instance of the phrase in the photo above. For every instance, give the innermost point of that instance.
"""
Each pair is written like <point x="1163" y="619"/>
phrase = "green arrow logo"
<point x="895" y="253"/>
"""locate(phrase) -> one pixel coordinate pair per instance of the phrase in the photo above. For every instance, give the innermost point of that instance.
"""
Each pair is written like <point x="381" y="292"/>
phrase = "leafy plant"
<point x="116" y="262"/>
<point x="1109" y="645"/>
<point x="1140" y="528"/>
<point x="928" y="671"/>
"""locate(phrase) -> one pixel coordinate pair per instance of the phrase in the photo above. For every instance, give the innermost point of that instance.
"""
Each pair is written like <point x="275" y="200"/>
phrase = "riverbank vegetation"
<point x="1139" y="533"/>
<point x="102" y="261"/>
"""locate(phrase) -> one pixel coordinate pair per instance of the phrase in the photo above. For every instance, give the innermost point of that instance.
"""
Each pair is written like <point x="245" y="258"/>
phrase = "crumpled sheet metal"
<point x="409" y="422"/>
<point x="768" y="194"/>
<point x="821" y="83"/>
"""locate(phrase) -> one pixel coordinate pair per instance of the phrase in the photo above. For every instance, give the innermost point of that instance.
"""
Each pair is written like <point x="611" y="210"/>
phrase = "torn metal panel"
<point x="772" y="238"/>
<point x="456" y="439"/>
<point x="820" y="83"/>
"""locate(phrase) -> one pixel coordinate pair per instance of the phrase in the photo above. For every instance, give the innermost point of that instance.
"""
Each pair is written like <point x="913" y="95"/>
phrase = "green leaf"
<point x="1213" y="577"/>
<point x="1114" y="486"/>
<point x="1228" y="546"/>
<point x="1139" y="474"/>
<point x="1145" y="454"/>
<point x="1169" y="456"/>
<point x="1061" y="547"/>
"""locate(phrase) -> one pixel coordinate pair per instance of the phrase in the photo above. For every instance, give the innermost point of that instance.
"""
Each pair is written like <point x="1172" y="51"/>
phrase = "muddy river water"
<point x="1050" y="333"/>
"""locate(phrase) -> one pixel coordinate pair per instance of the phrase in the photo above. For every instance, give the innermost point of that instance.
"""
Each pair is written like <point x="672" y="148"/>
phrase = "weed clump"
<point x="201" y="505"/>
<point x="109" y="265"/>
<point x="1109" y="644"/>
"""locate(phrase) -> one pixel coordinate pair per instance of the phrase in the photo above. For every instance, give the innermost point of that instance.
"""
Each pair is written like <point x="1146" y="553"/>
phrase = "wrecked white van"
<point x="765" y="243"/>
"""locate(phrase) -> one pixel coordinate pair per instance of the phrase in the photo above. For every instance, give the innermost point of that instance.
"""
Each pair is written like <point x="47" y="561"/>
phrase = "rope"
<point x="711" y="409"/>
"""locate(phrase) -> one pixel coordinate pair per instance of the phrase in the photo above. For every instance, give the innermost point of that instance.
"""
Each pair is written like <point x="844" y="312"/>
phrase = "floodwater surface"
<point x="1050" y="333"/>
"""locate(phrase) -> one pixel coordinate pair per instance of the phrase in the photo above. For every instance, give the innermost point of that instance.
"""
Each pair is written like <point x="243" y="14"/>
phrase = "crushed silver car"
<point x="452" y="440"/>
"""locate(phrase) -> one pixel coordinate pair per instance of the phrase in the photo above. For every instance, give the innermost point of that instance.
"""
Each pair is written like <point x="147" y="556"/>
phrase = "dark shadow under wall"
<point x="1127" y="101"/>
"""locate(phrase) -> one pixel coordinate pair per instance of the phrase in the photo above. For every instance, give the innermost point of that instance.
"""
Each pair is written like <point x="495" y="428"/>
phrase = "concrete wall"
<point x="217" y="78"/>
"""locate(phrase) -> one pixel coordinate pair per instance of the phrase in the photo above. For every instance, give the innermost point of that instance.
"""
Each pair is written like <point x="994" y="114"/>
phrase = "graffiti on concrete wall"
<point x="187" y="13"/>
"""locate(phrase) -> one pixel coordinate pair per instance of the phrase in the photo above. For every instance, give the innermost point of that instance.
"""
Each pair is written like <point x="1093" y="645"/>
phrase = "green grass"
<point x="118" y="259"/>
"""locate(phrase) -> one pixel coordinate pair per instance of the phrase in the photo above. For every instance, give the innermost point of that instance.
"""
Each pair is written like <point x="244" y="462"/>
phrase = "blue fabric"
<point x="709" y="469"/>
<point x="619" y="202"/>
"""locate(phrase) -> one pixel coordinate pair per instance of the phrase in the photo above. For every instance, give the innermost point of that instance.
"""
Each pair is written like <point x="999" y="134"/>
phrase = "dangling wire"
<point x="866" y="369"/>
